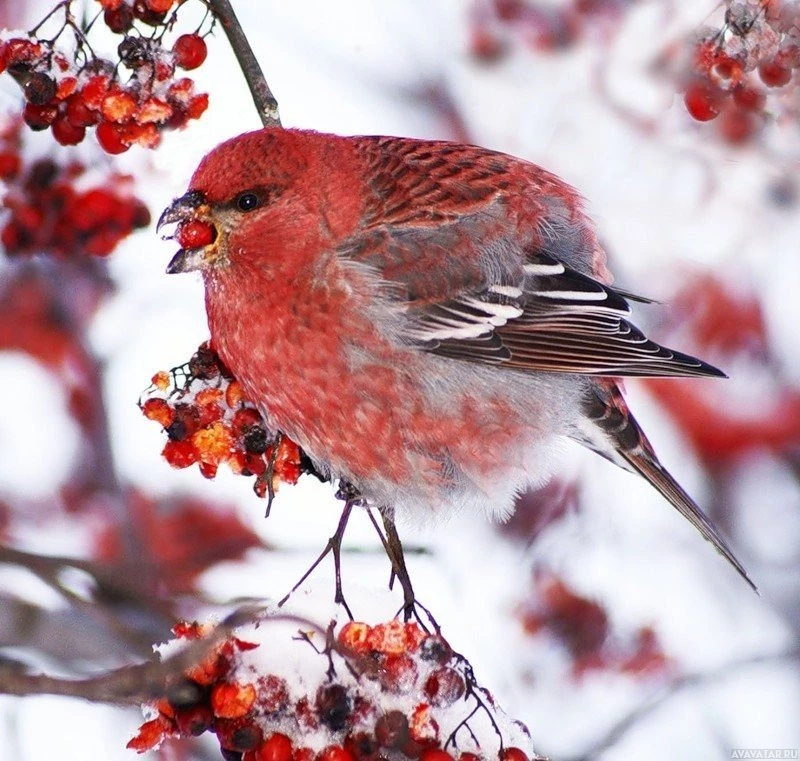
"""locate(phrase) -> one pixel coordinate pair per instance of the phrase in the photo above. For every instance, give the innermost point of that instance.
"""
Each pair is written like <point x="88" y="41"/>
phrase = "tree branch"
<point x="129" y="685"/>
<point x="264" y="100"/>
<point x="685" y="682"/>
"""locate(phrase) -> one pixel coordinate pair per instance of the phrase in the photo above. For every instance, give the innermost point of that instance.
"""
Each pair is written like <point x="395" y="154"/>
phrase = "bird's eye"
<point x="247" y="202"/>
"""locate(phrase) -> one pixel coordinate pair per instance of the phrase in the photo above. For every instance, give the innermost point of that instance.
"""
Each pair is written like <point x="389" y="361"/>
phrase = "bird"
<point x="427" y="320"/>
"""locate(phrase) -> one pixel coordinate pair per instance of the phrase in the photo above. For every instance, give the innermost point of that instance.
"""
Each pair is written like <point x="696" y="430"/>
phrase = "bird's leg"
<point x="394" y="549"/>
<point x="270" y="472"/>
<point x="333" y="546"/>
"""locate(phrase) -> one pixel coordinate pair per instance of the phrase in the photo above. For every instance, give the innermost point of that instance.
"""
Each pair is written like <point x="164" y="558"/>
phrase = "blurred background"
<point x="596" y="615"/>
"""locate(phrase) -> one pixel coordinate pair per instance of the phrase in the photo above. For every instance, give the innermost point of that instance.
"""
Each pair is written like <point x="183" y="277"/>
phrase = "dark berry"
<point x="333" y="706"/>
<point x="391" y="729"/>
<point x="204" y="364"/>
<point x="255" y="439"/>
<point x="39" y="88"/>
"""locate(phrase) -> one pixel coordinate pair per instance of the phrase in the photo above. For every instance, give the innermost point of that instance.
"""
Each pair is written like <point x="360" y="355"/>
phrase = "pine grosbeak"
<point x="425" y="319"/>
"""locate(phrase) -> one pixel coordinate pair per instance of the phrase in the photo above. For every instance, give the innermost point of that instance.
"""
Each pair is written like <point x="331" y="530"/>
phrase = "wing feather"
<point x="561" y="321"/>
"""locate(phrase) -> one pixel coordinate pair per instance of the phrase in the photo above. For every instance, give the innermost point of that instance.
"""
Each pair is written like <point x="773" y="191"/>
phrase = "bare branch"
<point x="685" y="682"/>
<point x="129" y="685"/>
<point x="264" y="100"/>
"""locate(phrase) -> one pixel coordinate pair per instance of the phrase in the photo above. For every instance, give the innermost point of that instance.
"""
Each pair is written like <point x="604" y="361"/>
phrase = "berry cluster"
<point x="746" y="71"/>
<point x="209" y="422"/>
<point x="186" y="536"/>
<point x="583" y="628"/>
<point x="46" y="212"/>
<point x="396" y="693"/>
<point x="71" y="93"/>
<point x="542" y="27"/>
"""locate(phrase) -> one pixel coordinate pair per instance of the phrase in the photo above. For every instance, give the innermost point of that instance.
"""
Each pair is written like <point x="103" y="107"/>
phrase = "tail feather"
<point x="624" y="443"/>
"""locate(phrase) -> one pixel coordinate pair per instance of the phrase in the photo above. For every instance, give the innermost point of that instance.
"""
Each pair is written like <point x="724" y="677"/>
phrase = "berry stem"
<point x="264" y="100"/>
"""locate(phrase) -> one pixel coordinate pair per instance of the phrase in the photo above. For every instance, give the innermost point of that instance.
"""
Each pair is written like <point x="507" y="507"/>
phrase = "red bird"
<point x="425" y="319"/>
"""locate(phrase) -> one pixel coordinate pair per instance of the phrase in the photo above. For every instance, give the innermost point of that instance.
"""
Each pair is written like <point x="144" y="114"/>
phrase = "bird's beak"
<point x="186" y="260"/>
<point x="191" y="205"/>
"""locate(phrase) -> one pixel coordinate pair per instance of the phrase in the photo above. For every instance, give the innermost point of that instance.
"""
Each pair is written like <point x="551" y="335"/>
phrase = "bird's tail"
<point x="622" y="441"/>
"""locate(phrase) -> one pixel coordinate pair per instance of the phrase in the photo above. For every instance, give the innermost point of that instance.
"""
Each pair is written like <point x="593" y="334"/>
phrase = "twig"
<point x="264" y="100"/>
<point x="129" y="685"/>
<point x="624" y="725"/>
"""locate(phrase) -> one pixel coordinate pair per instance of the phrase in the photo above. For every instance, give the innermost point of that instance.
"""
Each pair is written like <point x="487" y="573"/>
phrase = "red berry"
<point x="335" y="753"/>
<point x="66" y="133"/>
<point x="727" y="68"/>
<point x="485" y="45"/>
<point x="190" y="51"/>
<point x="78" y="113"/>
<point x="273" y="694"/>
<point x="66" y="87"/>
<point x="159" y="6"/>
<point x="423" y="728"/>
<point x="208" y="470"/>
<point x="144" y="12"/>
<point x="773" y="74"/>
<point x="750" y="98"/>
<point x="237" y="735"/>
<point x="118" y="20"/>
<point x="444" y="686"/>
<point x="13" y="238"/>
<point x="119" y="106"/>
<point x="231" y="700"/>
<point x="278" y="747"/>
<point x="398" y="673"/>
<point x="180" y="454"/>
<point x="362" y="745"/>
<point x="158" y="410"/>
<point x="702" y="101"/>
<point x="39" y="117"/>
<point x="434" y="754"/>
<point x="193" y="720"/>
<point x="514" y="754"/>
<point x="10" y="164"/>
<point x="154" y="110"/>
<point x="389" y="638"/>
<point x="737" y="126"/>
<point x="94" y="91"/>
<point x="146" y="135"/>
<point x="353" y="636"/>
<point x="197" y="106"/>
<point x="789" y="55"/>
<point x="194" y="233"/>
<point x="96" y="207"/>
<point x="110" y="138"/>
<point x="22" y="51"/>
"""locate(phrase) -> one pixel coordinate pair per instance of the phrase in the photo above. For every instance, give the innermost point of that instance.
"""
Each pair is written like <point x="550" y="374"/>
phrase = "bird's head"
<point x="252" y="196"/>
